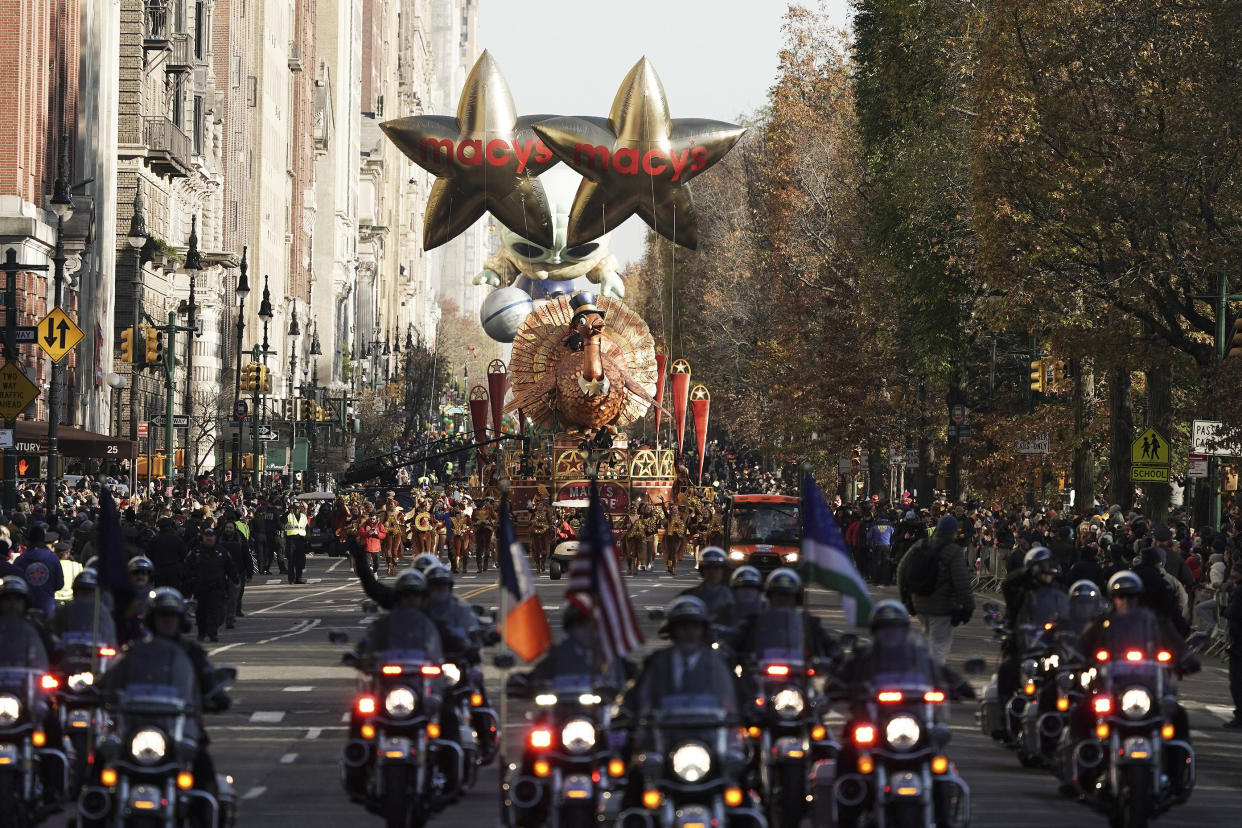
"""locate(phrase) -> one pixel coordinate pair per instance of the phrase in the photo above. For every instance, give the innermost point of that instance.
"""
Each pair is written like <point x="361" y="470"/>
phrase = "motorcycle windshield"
<point x="411" y="639"/>
<point x="75" y="627"/>
<point x="21" y="648"/>
<point x="778" y="640"/>
<point x="155" y="677"/>
<point x="899" y="659"/>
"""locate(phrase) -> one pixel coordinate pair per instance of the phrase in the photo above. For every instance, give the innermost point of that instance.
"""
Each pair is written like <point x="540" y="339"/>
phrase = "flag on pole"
<point x="597" y="588"/>
<point x="113" y="563"/>
<point x="525" y="624"/>
<point x="825" y="560"/>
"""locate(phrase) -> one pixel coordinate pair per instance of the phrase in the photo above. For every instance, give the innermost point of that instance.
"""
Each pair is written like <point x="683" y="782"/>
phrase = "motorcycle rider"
<point x="712" y="589"/>
<point x="79" y="614"/>
<point x="1085" y="605"/>
<point x="784" y="592"/>
<point x="747" y="586"/>
<point x="1033" y="598"/>
<point x="576" y="653"/>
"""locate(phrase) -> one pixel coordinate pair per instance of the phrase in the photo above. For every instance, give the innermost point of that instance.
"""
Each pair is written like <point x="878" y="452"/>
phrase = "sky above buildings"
<point x="716" y="58"/>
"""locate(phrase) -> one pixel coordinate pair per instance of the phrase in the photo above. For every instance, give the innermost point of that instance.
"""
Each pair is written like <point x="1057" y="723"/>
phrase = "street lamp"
<point x="261" y="353"/>
<point x="295" y="331"/>
<point x="241" y="291"/>
<point x="137" y="240"/>
<point x="116" y="382"/>
<point x="62" y="206"/>
<point x="193" y="267"/>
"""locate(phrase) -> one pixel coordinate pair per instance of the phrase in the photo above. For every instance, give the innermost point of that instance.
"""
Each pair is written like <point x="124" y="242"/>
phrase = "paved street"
<point x="282" y="739"/>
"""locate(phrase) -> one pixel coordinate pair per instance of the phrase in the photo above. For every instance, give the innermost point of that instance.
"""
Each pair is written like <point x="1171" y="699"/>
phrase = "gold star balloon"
<point x="637" y="160"/>
<point x="486" y="159"/>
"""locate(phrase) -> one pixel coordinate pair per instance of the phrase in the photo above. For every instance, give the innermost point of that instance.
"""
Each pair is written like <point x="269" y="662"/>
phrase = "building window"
<point x="198" y="124"/>
<point x="200" y="23"/>
<point x="177" y="92"/>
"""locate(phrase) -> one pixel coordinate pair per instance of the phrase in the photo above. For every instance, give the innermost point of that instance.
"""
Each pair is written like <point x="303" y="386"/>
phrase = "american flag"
<point x="597" y="588"/>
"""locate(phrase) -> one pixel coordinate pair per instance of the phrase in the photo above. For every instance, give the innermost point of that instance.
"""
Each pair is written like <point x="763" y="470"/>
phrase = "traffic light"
<point x="1057" y="369"/>
<point x="1234" y="344"/>
<point x="127" y="345"/>
<point x="325" y="413"/>
<point x="153" y="349"/>
<point x="264" y="378"/>
<point x="250" y="377"/>
<point x="1039" y="376"/>
<point x="856" y="458"/>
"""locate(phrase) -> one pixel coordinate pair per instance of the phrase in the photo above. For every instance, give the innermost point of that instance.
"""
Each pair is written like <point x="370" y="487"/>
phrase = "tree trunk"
<point x="1084" y="451"/>
<point x="877" y="462"/>
<point x="1121" y="434"/>
<point x="1160" y="417"/>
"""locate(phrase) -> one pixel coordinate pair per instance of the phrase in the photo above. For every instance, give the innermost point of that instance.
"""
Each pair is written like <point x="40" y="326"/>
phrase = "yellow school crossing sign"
<point x="58" y="334"/>
<point x="1150" y="457"/>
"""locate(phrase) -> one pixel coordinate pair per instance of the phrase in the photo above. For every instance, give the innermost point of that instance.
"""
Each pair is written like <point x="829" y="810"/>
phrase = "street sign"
<point x="267" y="435"/>
<point x="16" y="391"/>
<point x="957" y="414"/>
<point x="26" y="334"/>
<point x="1039" y="445"/>
<point x="912" y="459"/>
<point x="1206" y="438"/>
<point x="843" y="465"/>
<point x="1150" y="449"/>
<point x="6" y="438"/>
<point x="1149" y="474"/>
<point x="240" y="409"/>
<point x="142" y="428"/>
<point x="963" y="431"/>
<point x="179" y="420"/>
<point x="58" y="334"/>
<point x="1197" y="466"/>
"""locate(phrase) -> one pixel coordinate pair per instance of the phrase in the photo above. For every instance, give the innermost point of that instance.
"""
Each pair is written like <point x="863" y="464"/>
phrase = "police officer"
<point x="576" y="653"/>
<point x="712" y="589"/>
<point x="1085" y="605"/>
<point x="79" y="614"/>
<point x="211" y="571"/>
<point x="746" y="584"/>
<point x="238" y="550"/>
<point x="784" y="592"/>
<point x="296" y="524"/>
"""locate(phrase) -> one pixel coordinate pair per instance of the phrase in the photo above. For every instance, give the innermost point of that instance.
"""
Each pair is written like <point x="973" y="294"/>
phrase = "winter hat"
<point x="947" y="526"/>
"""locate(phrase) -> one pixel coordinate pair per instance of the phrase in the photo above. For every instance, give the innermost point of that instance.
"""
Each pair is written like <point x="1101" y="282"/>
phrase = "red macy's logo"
<point x="628" y="161"/>
<point x="498" y="152"/>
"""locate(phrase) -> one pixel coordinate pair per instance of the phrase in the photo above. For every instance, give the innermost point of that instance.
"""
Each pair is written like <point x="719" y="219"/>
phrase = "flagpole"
<point x="503" y="663"/>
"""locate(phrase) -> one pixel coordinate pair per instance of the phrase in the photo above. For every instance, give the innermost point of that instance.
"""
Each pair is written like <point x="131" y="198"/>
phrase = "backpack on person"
<point x="922" y="574"/>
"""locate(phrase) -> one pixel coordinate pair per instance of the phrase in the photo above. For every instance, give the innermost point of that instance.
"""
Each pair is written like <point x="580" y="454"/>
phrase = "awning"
<point x="30" y="437"/>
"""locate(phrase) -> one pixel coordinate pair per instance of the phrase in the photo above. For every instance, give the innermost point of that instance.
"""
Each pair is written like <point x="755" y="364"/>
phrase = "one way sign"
<point x="58" y="334"/>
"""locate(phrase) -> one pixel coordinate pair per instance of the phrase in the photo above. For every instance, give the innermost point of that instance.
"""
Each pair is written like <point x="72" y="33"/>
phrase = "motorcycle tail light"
<point x="185" y="781"/>
<point x="1166" y="732"/>
<point x="541" y="737"/>
<point x="1134" y="655"/>
<point x="1048" y="626"/>
<point x="890" y="696"/>
<point x="1102" y="655"/>
<point x="760" y="701"/>
<point x="616" y="768"/>
<point x="865" y="765"/>
<point x="819" y="733"/>
<point x="733" y="797"/>
<point x="368" y="731"/>
<point x="476" y="699"/>
<point x="939" y="764"/>
<point x="1101" y="730"/>
<point x="778" y="670"/>
<point x="1103" y="705"/>
<point x="107" y="652"/>
<point x="107" y="777"/>
<point x="391" y="669"/>
<point x="431" y="670"/>
<point x="1029" y="689"/>
<point x="1063" y="703"/>
<point x="651" y="799"/>
<point x="49" y="682"/>
<point x="366" y="704"/>
<point x="864" y="735"/>
<point x="1164" y="656"/>
<point x="38" y="738"/>
<point x="933" y="696"/>
<point x="753" y="732"/>
<point x="542" y="768"/>
<point x="433" y="730"/>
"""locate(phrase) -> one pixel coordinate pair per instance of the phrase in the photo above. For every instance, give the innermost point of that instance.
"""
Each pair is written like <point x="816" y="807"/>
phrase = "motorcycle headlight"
<point x="902" y="732"/>
<point x="148" y="746"/>
<point x="1052" y="662"/>
<point x="452" y="673"/>
<point x="10" y="710"/>
<point x="791" y="557"/>
<point x="400" y="702"/>
<point x="1135" y="702"/>
<point x="691" y="762"/>
<point x="788" y="703"/>
<point x="578" y="736"/>
<point x="737" y="555"/>
<point x="80" y="681"/>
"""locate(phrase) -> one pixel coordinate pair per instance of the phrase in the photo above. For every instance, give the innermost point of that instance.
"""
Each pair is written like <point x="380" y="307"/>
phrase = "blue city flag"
<point x="825" y="559"/>
<point x="113" y="562"/>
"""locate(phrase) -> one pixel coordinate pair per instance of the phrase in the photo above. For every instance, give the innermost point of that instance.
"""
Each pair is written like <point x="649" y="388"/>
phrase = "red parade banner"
<point x="498" y="387"/>
<point x="700" y="404"/>
<point x="478" y="412"/>
<point x="661" y="375"/>
<point x="680" y="372"/>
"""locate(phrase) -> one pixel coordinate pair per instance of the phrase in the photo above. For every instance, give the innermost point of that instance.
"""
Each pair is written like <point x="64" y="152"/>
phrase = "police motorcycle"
<point x="469" y="692"/>
<point x="567" y="768"/>
<point x="893" y="767"/>
<point x="794" y="751"/>
<point x="143" y="769"/>
<point x="1047" y="693"/>
<point x="33" y="770"/>
<point x="86" y="656"/>
<point x="409" y="768"/>
<point x="1015" y="720"/>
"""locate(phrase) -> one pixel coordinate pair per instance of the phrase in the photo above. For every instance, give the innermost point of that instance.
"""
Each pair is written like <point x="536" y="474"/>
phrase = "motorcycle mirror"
<point x="975" y="666"/>
<point x="369" y="607"/>
<point x="849" y="640"/>
<point x="491" y="638"/>
<point x="517" y="687"/>
<point x="338" y="637"/>
<point x="477" y="609"/>
<point x="655" y="614"/>
<point x="350" y="659"/>
<point x="503" y="661"/>
<point x="225" y="674"/>
<point x="991" y="607"/>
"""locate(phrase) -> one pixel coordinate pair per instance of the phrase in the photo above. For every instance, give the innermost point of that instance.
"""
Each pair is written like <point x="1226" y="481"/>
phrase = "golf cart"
<point x="564" y="549"/>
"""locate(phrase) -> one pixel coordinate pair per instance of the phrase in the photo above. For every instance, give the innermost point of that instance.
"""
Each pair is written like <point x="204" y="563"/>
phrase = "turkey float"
<point x="583" y="365"/>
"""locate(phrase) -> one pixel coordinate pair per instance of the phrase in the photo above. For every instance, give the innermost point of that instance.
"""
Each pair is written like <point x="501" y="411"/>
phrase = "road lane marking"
<point x="335" y="565"/>
<point x="1224" y="712"/>
<point x="302" y="597"/>
<point x="255" y="792"/>
<point x="267" y="716"/>
<point x="313" y="732"/>
<point x="305" y="625"/>
<point x="288" y="759"/>
<point x="298" y="688"/>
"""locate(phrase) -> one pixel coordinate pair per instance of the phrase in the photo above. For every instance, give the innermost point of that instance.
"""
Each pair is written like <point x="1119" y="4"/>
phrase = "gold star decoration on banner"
<point x="638" y="160"/>
<point x="486" y="159"/>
